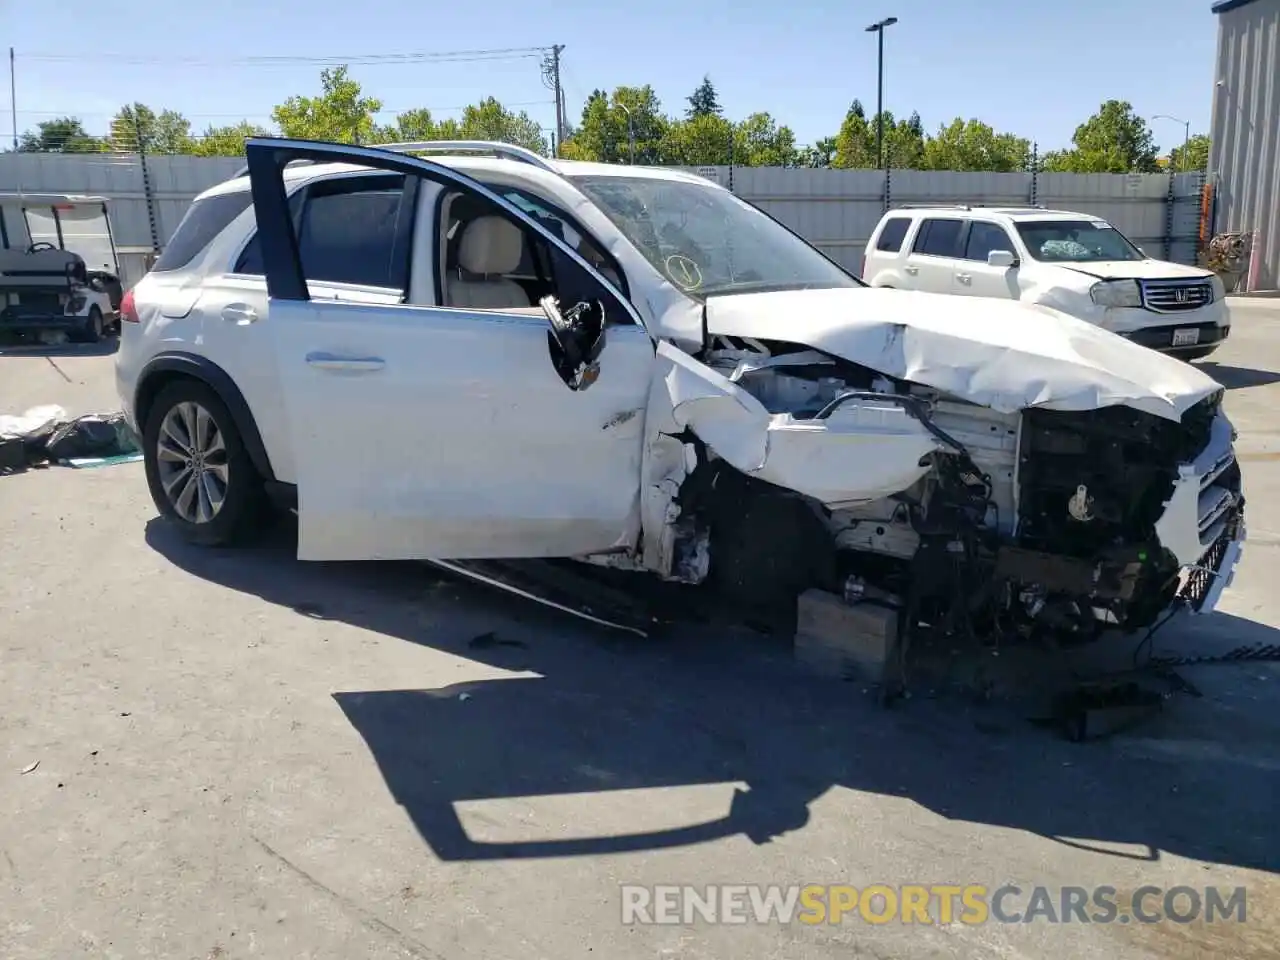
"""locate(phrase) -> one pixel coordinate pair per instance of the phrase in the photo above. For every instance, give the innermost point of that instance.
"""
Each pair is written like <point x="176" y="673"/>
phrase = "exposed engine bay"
<point x="975" y="524"/>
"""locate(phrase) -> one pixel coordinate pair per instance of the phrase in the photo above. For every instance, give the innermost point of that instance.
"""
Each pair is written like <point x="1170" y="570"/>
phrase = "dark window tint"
<point x="892" y="235"/>
<point x="250" y="259"/>
<point x="938" y="237"/>
<point x="353" y="230"/>
<point x="985" y="237"/>
<point x="204" y="220"/>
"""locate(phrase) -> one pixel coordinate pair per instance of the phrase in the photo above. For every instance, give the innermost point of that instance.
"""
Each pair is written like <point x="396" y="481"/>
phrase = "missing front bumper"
<point x="1204" y="583"/>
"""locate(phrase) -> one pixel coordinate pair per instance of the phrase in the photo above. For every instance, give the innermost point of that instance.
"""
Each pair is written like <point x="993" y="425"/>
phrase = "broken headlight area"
<point x="1043" y="525"/>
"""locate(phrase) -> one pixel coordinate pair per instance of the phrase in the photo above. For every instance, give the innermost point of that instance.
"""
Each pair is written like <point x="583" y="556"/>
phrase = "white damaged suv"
<point x="478" y="357"/>
<point x="1073" y="262"/>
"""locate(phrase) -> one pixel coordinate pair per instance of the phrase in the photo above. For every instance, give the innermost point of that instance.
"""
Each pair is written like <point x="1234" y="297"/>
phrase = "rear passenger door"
<point x="931" y="264"/>
<point x="973" y="276"/>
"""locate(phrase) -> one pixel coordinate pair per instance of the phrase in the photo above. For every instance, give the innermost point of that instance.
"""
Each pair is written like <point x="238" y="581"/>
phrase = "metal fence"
<point x="836" y="210"/>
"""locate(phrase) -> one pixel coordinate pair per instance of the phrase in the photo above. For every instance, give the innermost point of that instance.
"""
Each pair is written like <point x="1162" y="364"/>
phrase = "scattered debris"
<point x="1246" y="653"/>
<point x="45" y="435"/>
<point x="1090" y="712"/>
<point x="30" y="767"/>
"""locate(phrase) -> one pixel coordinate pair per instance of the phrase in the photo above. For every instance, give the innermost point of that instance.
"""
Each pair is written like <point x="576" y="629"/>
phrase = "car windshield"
<point x="1076" y="241"/>
<point x="706" y="241"/>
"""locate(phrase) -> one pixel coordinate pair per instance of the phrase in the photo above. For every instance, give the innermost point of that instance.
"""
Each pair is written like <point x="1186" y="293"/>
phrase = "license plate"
<point x="1186" y="338"/>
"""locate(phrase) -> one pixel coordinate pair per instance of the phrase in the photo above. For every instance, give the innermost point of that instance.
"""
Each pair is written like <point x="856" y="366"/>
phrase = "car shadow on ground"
<point x="105" y="347"/>
<point x="609" y="711"/>
<point x="1238" y="378"/>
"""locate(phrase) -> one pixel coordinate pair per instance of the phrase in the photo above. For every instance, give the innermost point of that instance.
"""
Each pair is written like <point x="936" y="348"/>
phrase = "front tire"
<point x="201" y="477"/>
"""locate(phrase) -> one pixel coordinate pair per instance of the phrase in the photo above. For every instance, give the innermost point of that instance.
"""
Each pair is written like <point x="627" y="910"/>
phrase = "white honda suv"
<point x="1073" y="262"/>
<point x="482" y="357"/>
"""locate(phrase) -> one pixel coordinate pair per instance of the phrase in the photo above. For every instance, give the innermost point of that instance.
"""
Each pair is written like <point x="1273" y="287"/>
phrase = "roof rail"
<point x="969" y="206"/>
<point x="506" y="151"/>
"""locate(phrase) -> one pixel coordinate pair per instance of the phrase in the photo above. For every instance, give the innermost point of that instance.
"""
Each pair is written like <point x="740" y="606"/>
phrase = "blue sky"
<point x="1032" y="68"/>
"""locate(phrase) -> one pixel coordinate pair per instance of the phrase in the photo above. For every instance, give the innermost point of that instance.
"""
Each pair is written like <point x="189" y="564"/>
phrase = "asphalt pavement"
<point x="226" y="754"/>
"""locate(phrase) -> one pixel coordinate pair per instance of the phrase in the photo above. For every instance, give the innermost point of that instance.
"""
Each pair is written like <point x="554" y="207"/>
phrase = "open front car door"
<point x="487" y="411"/>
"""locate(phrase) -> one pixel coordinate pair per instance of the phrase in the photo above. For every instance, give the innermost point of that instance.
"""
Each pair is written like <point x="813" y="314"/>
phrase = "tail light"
<point x="128" y="312"/>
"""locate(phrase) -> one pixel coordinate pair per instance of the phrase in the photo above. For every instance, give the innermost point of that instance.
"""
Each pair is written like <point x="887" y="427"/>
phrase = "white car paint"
<point x="1066" y="286"/>
<point x="1004" y="355"/>
<point x="414" y="430"/>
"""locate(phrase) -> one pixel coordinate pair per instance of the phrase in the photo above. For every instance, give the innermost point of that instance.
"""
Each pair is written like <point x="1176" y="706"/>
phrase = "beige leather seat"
<point x="490" y="247"/>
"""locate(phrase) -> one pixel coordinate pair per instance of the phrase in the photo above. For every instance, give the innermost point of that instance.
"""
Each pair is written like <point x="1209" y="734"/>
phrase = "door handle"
<point x="964" y="277"/>
<point x="331" y="361"/>
<point x="911" y="270"/>
<point x="239" y="313"/>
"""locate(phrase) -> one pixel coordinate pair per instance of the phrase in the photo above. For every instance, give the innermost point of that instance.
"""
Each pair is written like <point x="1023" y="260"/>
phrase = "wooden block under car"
<point x="848" y="641"/>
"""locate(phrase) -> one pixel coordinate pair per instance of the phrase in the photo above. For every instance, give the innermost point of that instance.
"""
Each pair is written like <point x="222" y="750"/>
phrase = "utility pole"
<point x="13" y="97"/>
<point x="878" y="28"/>
<point x="1186" y="140"/>
<point x="551" y="79"/>
<point x="559" y="89"/>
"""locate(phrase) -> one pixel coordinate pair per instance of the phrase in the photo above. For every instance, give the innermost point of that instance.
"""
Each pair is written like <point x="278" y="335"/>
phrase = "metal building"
<point x="1244" y="159"/>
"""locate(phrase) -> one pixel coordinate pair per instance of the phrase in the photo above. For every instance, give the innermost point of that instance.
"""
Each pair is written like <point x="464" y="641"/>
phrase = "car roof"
<point x="472" y="166"/>
<point x="1008" y="213"/>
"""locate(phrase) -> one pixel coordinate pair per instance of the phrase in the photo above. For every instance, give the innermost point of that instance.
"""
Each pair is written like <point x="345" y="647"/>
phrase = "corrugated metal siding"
<point x="1245" y="153"/>
<point x="836" y="210"/>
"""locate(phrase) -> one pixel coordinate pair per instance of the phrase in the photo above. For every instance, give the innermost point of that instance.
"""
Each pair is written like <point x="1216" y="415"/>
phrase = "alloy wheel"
<point x="191" y="456"/>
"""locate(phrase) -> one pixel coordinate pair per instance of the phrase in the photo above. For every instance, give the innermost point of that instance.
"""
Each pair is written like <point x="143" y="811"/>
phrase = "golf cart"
<point x="59" y="273"/>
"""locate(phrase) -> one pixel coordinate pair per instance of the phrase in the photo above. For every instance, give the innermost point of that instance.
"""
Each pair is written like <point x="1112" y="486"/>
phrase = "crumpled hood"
<point x="1001" y="354"/>
<point x="1136" y="270"/>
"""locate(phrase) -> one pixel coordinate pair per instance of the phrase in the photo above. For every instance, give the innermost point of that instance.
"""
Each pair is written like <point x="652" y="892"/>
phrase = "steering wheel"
<point x="40" y="245"/>
<point x="684" y="273"/>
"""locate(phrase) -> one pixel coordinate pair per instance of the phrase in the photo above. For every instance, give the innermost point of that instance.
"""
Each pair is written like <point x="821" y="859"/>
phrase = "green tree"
<point x="410" y="126"/>
<point x="137" y="127"/>
<point x="706" y="140"/>
<point x="227" y="141"/>
<point x="63" y="135"/>
<point x="1194" y="157"/>
<point x="973" y="145"/>
<point x="1113" y="140"/>
<point x="339" y="114"/>
<point x="856" y="141"/>
<point x="602" y="135"/>
<point x="760" y="142"/>
<point x="704" y="101"/>
<point x="903" y="142"/>
<point x="490" y="120"/>
<point x="821" y="153"/>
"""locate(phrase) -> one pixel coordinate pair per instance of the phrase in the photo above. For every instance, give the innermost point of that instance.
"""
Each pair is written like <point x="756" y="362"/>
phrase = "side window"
<point x="985" y="237"/>
<point x="558" y="222"/>
<point x="357" y="230"/>
<point x="491" y="261"/>
<point x="205" y="219"/>
<point x="892" y="234"/>
<point x="250" y="262"/>
<point x="938" y="237"/>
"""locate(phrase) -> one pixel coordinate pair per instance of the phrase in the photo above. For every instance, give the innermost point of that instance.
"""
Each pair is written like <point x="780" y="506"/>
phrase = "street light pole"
<point x="631" y="133"/>
<point x="1186" y="135"/>
<point x="878" y="28"/>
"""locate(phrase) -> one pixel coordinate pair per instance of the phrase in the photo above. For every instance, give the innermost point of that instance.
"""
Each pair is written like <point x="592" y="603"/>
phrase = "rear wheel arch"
<point x="165" y="368"/>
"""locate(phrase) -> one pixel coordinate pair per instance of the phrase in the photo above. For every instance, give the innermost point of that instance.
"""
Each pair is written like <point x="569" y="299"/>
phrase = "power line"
<point x="366" y="59"/>
<point x="76" y="114"/>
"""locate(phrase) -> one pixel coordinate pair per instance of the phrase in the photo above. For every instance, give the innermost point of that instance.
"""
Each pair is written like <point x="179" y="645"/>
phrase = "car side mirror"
<point x="575" y="340"/>
<point x="1001" y="258"/>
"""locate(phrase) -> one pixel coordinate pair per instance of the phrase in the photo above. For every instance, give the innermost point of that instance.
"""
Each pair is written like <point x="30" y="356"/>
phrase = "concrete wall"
<point x="1244" y="159"/>
<point x="834" y="209"/>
